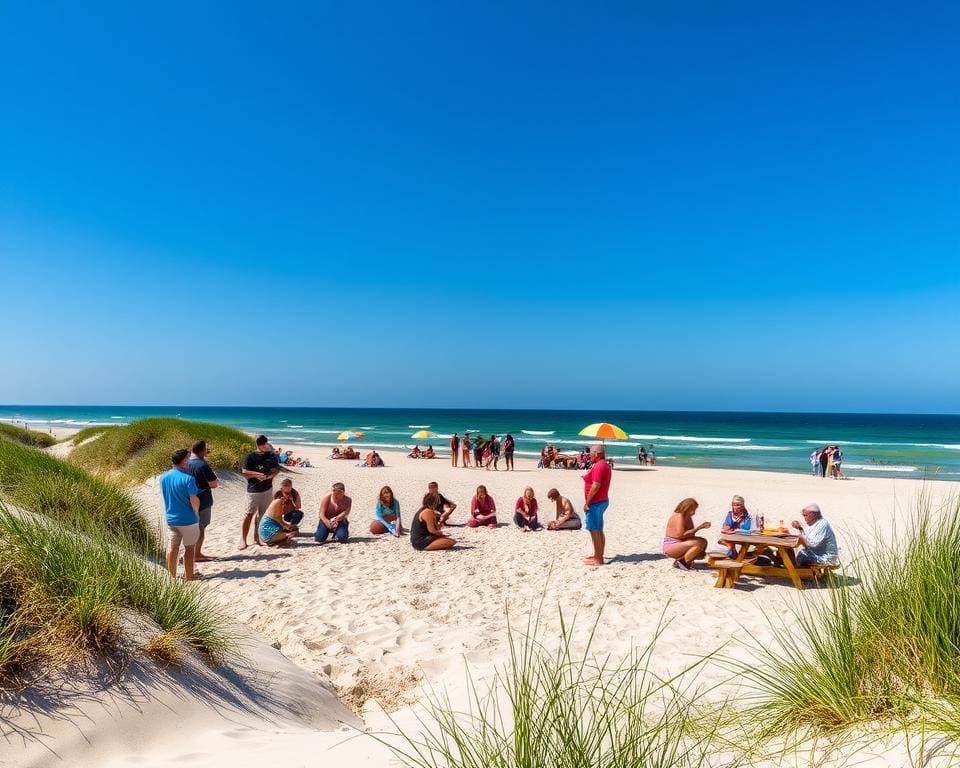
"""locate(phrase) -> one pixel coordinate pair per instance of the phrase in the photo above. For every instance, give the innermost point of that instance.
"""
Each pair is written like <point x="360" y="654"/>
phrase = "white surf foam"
<point x="537" y="432"/>
<point x="418" y="426"/>
<point x="692" y="439"/>
<point x="880" y="467"/>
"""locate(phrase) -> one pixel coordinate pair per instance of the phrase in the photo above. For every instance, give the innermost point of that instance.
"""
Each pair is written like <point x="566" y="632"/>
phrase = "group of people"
<point x="275" y="516"/>
<point x="826" y="462"/>
<point x="817" y="541"/>
<point x="422" y="453"/>
<point x="551" y="457"/>
<point x="647" y="457"/>
<point x="485" y="452"/>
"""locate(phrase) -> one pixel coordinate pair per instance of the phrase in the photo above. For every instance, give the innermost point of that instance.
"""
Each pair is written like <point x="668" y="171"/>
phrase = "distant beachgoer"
<point x="290" y="499"/>
<point x="680" y="540"/>
<point x="566" y="517"/>
<point x="274" y="530"/>
<point x="425" y="533"/>
<point x="596" y="487"/>
<point x="653" y="457"/>
<point x="483" y="509"/>
<point x="815" y="462"/>
<point x="818" y="541"/>
<point x="428" y="454"/>
<point x="837" y="461"/>
<point x="334" y="511"/>
<point x="206" y="482"/>
<point x="487" y="455"/>
<point x="465" y="445"/>
<point x="736" y="521"/>
<point x="495" y="451"/>
<point x="509" y="445"/>
<point x="181" y="502"/>
<point x="525" y="511"/>
<point x="388" y="514"/>
<point x="415" y="452"/>
<point x="642" y="455"/>
<point x="260" y="467"/>
<point x="478" y="446"/>
<point x="438" y="503"/>
<point x="372" y="459"/>
<point x="454" y="448"/>
<point x="824" y="460"/>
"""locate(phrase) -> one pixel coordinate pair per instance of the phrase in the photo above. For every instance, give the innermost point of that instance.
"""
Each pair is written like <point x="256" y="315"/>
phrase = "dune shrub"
<point x="26" y="436"/>
<point x="142" y="449"/>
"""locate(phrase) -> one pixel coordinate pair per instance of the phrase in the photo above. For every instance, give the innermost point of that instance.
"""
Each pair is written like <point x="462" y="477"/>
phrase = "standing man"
<point x="454" y="448"/>
<point x="206" y="482"/>
<point x="334" y="510"/>
<point x="596" y="485"/>
<point x="466" y="449"/>
<point x="181" y="503"/>
<point x="260" y="467"/>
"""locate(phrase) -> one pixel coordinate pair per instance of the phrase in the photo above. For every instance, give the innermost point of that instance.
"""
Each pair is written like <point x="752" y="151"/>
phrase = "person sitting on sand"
<point x="425" y="533"/>
<point x="525" y="511"/>
<point x="736" y="521"/>
<point x="817" y="539"/>
<point x="274" y="530"/>
<point x="414" y="452"/>
<point x="335" y="453"/>
<point x="288" y="495"/>
<point x="545" y="457"/>
<point x="372" y="459"/>
<point x="567" y="518"/>
<point x="388" y="514"/>
<point x="429" y="454"/>
<point x="680" y="540"/>
<point x="483" y="509"/>
<point x="438" y="503"/>
<point x="334" y="510"/>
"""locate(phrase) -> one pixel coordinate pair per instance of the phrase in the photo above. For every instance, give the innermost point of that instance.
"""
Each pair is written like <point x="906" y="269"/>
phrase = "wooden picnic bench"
<point x="749" y="547"/>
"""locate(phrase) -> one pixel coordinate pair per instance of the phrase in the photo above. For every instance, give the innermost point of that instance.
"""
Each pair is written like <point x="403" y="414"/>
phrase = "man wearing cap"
<point x="817" y="539"/>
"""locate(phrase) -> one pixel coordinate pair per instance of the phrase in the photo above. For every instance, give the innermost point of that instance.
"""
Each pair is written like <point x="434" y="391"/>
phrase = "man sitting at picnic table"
<point x="817" y="539"/>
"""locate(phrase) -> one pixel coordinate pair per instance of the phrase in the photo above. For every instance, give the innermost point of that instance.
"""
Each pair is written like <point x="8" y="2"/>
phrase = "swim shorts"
<point x="594" y="516"/>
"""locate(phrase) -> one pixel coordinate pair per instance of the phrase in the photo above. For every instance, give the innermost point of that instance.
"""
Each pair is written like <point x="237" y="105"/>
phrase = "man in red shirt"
<point x="596" y="484"/>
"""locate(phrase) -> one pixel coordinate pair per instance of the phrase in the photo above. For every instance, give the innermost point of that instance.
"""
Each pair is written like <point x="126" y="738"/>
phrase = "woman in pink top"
<point x="525" y="512"/>
<point x="483" y="510"/>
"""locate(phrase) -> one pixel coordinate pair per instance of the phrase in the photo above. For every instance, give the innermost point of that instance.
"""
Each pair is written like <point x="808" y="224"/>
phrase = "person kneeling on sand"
<point x="438" y="503"/>
<point x="274" y="530"/>
<point x="388" y="514"/>
<point x="483" y="509"/>
<point x="566" y="519"/>
<point x="181" y="503"/>
<point x="288" y="495"/>
<point x="818" y="541"/>
<point x="334" y="510"/>
<point x="425" y="533"/>
<point x="680" y="540"/>
<point x="525" y="511"/>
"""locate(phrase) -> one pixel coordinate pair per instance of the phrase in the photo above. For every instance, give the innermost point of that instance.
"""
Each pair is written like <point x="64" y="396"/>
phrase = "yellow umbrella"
<point x="604" y="431"/>
<point x="423" y="434"/>
<point x="348" y="435"/>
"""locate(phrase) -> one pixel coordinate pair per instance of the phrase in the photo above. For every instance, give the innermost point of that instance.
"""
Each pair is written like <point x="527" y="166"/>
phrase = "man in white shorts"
<point x="181" y="502"/>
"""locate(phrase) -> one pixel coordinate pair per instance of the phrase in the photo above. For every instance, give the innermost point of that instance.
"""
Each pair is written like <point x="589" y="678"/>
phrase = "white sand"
<point x="375" y="616"/>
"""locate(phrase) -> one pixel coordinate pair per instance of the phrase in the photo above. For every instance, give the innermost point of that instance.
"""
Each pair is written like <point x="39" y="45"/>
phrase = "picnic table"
<point x="730" y="570"/>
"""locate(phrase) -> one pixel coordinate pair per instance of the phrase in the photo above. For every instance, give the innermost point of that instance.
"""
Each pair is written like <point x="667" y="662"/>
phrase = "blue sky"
<point x="672" y="205"/>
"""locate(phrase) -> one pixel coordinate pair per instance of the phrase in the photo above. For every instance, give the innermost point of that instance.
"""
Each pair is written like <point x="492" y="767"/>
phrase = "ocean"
<point x="874" y="445"/>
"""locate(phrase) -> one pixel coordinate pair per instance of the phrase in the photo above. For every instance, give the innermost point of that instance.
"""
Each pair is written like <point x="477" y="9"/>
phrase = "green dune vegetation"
<point x="142" y="449"/>
<point x="81" y="578"/>
<point x="25" y="436"/>
<point x="87" y="432"/>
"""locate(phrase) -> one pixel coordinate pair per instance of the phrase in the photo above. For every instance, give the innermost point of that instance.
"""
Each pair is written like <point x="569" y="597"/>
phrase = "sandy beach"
<point x="380" y="619"/>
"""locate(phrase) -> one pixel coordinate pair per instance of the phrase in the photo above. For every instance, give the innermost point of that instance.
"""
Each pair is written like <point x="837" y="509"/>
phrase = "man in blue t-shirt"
<point x="206" y="482"/>
<point x="182" y="503"/>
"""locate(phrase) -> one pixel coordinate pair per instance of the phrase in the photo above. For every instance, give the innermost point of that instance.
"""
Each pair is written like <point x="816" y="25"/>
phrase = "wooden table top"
<point x="770" y="541"/>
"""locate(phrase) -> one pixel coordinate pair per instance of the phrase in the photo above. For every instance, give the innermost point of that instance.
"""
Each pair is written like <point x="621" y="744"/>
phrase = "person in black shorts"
<point x="425" y="533"/>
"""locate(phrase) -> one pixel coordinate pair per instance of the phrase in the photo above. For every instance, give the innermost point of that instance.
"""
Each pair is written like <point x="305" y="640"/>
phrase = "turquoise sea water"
<point x="874" y="445"/>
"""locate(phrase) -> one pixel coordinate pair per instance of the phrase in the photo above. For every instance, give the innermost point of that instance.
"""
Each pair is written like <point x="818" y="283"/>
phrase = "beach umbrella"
<point x="348" y="435"/>
<point x="423" y="434"/>
<point x="604" y="431"/>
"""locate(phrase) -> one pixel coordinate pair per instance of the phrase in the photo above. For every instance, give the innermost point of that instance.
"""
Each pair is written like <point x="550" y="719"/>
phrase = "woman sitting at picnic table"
<point x="483" y="509"/>
<point x="736" y="521"/>
<point x="525" y="511"/>
<point x="388" y="514"/>
<point x="680" y="540"/>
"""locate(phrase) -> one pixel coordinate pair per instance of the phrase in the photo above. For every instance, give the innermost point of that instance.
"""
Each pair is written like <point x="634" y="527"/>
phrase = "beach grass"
<point x="35" y="481"/>
<point x="142" y="449"/>
<point x="883" y="649"/>
<point x="87" y="432"/>
<point x="67" y="595"/>
<point x="563" y="707"/>
<point x="26" y="436"/>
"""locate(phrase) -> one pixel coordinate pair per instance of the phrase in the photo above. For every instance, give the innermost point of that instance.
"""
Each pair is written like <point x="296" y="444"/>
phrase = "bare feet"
<point x="243" y="545"/>
<point x="203" y="559"/>
<point x="592" y="561"/>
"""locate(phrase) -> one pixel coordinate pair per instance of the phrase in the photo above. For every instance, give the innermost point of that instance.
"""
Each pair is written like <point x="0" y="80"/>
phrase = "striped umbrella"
<point x="604" y="431"/>
<point x="348" y="435"/>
